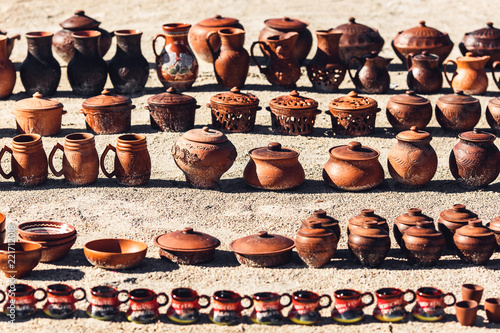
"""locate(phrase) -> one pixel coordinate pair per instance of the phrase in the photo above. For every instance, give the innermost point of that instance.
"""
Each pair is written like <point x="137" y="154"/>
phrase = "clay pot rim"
<point x="128" y="32"/>
<point x="26" y="247"/>
<point x="295" y="25"/>
<point x="218" y="21"/>
<point x="402" y="99"/>
<point x="73" y="137"/>
<point x="35" y="138"/>
<point x="458" y="98"/>
<point x="312" y="296"/>
<point x="89" y="246"/>
<point x="395" y="292"/>
<point x="67" y="289"/>
<point x="495" y="229"/>
<point x="493" y="300"/>
<point x="86" y="34"/>
<point x="231" y="31"/>
<point x="36" y="236"/>
<point x="137" y="137"/>
<point x="420" y="292"/>
<point x="468" y="304"/>
<point x="52" y="243"/>
<point x="173" y="98"/>
<point x="193" y="294"/>
<point x="286" y="153"/>
<point x="3" y="37"/>
<point x="494" y="101"/>
<point x="149" y="295"/>
<point x="354" y="293"/>
<point x="174" y="28"/>
<point x="39" y="34"/>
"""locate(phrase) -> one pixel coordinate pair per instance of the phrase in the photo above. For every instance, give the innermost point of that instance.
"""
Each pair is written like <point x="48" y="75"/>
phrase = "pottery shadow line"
<point x="63" y="274"/>
<point x="440" y="186"/>
<point x="74" y="258"/>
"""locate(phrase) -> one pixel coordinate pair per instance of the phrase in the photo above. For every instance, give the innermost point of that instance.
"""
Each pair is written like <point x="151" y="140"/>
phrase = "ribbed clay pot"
<point x="406" y="221"/>
<point x="475" y="243"/>
<point x="315" y="244"/>
<point x="422" y="244"/>
<point x="452" y="219"/>
<point x="369" y="244"/>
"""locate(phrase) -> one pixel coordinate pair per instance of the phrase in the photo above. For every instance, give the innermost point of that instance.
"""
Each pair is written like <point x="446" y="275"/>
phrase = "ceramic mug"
<point x="21" y="302"/>
<point x="185" y="306"/>
<point x="430" y="304"/>
<point x="391" y="304"/>
<point x="144" y="306"/>
<point x="61" y="300"/>
<point x="306" y="306"/>
<point x="267" y="307"/>
<point x="227" y="307"/>
<point x="104" y="302"/>
<point x="349" y="304"/>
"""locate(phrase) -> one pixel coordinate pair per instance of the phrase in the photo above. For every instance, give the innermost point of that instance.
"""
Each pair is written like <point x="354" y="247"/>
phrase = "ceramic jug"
<point x="424" y="75"/>
<point x="372" y="76"/>
<point x="469" y="76"/>
<point x="7" y="70"/>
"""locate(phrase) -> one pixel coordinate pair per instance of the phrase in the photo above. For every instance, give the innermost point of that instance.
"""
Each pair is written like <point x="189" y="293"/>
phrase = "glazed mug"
<point x="104" y="302"/>
<point x="349" y="304"/>
<point x="227" y="307"/>
<point x="267" y="307"/>
<point x="61" y="300"/>
<point x="430" y="304"/>
<point x="144" y="306"/>
<point x="391" y="304"/>
<point x="306" y="306"/>
<point x="185" y="306"/>
<point x="22" y="301"/>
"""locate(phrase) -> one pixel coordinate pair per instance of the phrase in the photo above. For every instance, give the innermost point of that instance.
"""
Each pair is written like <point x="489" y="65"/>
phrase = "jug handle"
<point x="103" y="157"/>
<point x="408" y="60"/>
<point x="154" y="44"/>
<point x="265" y="56"/>
<point x="209" y="35"/>
<point x="206" y="298"/>
<point x="349" y="66"/>
<point x="493" y="67"/>
<point x="51" y="157"/>
<point x="446" y="74"/>
<point x="2" y="152"/>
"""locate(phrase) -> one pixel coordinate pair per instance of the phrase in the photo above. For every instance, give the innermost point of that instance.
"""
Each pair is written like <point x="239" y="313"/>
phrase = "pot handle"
<point x="258" y="108"/>
<point x="408" y="60"/>
<point x="268" y="109"/>
<point x="349" y="66"/>
<point x="3" y="296"/>
<point x="446" y="74"/>
<point x="164" y="302"/>
<point x="413" y="296"/>
<point x="288" y="302"/>
<point x="123" y="292"/>
<point x="41" y="298"/>
<point x="452" y="296"/>
<point x="249" y="299"/>
<point x="51" y="157"/>
<point x="207" y="299"/>
<point x="64" y="112"/>
<point x="84" y="294"/>
<point x="495" y="65"/>
<point x="261" y="69"/>
<point x="318" y="112"/>
<point x="103" y="157"/>
<point x="132" y="107"/>
<point x="207" y="39"/>
<point x="327" y="304"/>
<point x="370" y="302"/>
<point x="82" y="111"/>
<point x="154" y="44"/>
<point x="208" y="105"/>
<point x="5" y="175"/>
<point x="18" y="37"/>
<point x="197" y="106"/>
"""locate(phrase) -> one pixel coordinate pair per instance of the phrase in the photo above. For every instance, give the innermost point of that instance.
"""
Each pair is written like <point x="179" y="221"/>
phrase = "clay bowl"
<point x="114" y="253"/>
<point x="45" y="231"/>
<point x="27" y="256"/>
<point x="55" y="250"/>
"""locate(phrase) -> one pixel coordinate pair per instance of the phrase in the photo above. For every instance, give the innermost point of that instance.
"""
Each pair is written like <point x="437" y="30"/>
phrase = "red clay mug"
<point x="22" y="301"/>
<point x="391" y="304"/>
<point x="349" y="304"/>
<point x="306" y="306"/>
<point x="104" y="302"/>
<point x="431" y="304"/>
<point x="227" y="306"/>
<point x="185" y="306"/>
<point x="267" y="307"/>
<point x="144" y="306"/>
<point x="61" y="300"/>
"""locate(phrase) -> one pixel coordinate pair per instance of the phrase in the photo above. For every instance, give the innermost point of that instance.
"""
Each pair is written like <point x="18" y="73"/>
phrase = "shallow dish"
<point x="45" y="230"/>
<point x="115" y="253"/>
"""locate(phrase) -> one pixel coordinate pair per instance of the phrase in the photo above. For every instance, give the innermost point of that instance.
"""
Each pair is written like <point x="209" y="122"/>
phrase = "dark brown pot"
<point x="452" y="219"/>
<point x="475" y="243"/>
<point x="407" y="110"/>
<point x="422" y="244"/>
<point x="424" y="74"/>
<point x="366" y="215"/>
<point x="406" y="221"/>
<point x="481" y="42"/>
<point x="458" y="112"/>
<point x="369" y="244"/>
<point x="315" y="244"/>
<point x="326" y="221"/>
<point x="493" y="113"/>
<point x="372" y="76"/>
<point x="494" y="226"/>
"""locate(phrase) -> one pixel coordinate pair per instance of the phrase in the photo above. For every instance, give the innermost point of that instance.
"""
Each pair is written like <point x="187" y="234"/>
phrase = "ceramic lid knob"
<point x="294" y="93"/>
<point x="274" y="146"/>
<point x="410" y="92"/>
<point x="286" y="19"/>
<point x="352" y="94"/>
<point x="319" y="213"/>
<point x="422" y="23"/>
<point x="37" y="95"/>
<point x="414" y="211"/>
<point x="80" y="12"/>
<point x="352" y="20"/>
<point x="489" y="24"/>
<point x="187" y="230"/>
<point x="425" y="53"/>
<point x="459" y="92"/>
<point x="458" y="208"/>
<point x="367" y="212"/>
<point x="475" y="223"/>
<point x="218" y="16"/>
<point x="354" y="146"/>
<point x="235" y="90"/>
<point x="171" y="90"/>
<point x="105" y="92"/>
<point x="425" y="224"/>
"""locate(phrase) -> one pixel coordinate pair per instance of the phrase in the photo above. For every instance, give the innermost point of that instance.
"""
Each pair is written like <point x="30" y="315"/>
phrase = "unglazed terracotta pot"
<point x="115" y="253"/>
<point x="369" y="244"/>
<point x="61" y="300"/>
<point x="326" y="221"/>
<point x="204" y="155"/>
<point x="466" y="312"/>
<point x="475" y="243"/>
<point x="10" y="41"/>
<point x="494" y="225"/>
<point x="315" y="244"/>
<point x="8" y="72"/>
<point x="481" y="42"/>
<point x="424" y="74"/>
<point x="493" y="113"/>
<point x="372" y="75"/>
<point x="458" y="112"/>
<point x="27" y="256"/>
<point x="452" y="219"/>
<point x="267" y="307"/>
<point x="366" y="215"/>
<point x="422" y="244"/>
<point x="469" y="76"/>
<point x="406" y="221"/>
<point x="407" y="110"/>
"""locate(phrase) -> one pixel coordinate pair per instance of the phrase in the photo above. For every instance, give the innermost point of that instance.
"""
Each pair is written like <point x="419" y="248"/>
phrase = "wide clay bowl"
<point x="56" y="249"/>
<point x="114" y="253"/>
<point x="45" y="231"/>
<point x="27" y="256"/>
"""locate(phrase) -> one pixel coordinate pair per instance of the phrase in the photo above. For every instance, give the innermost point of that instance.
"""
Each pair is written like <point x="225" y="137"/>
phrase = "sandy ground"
<point x="107" y="209"/>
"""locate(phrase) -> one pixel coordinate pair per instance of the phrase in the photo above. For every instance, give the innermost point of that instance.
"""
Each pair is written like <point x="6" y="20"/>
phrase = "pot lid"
<point x="459" y="97"/>
<point x="474" y="228"/>
<point x="219" y="21"/>
<point x="37" y="103"/>
<point x="370" y="229"/>
<point x="426" y="56"/>
<point x="321" y="217"/>
<point x="423" y="229"/>
<point x="314" y="229"/>
<point x="495" y="224"/>
<point x="495" y="101"/>
<point x="205" y="135"/>
<point x="413" y="36"/>
<point x="410" y="98"/>
<point x="414" y="135"/>
<point x="458" y="213"/>
<point x="470" y="57"/>
<point x="367" y="215"/>
<point x="352" y="101"/>
<point x="286" y="24"/>
<point x="273" y="151"/>
<point x="171" y="97"/>
<point x="80" y="21"/>
<point x="477" y="135"/>
<point x="186" y="240"/>
<point x="413" y="216"/>
<point x="354" y="151"/>
<point x="262" y="243"/>
<point x="106" y="99"/>
<point x="485" y="33"/>
<point x="293" y="101"/>
<point x="355" y="34"/>
<point x="234" y="97"/>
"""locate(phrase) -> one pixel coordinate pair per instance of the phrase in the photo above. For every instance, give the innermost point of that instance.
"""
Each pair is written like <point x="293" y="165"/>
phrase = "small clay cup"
<point x="472" y="292"/>
<point x="492" y="308"/>
<point x="466" y="312"/>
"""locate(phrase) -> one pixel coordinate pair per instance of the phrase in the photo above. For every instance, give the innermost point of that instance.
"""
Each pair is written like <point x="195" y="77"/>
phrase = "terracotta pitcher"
<point x="282" y="68"/>
<point x="372" y="76"/>
<point x="10" y="41"/>
<point x="469" y="76"/>
<point x="424" y="75"/>
<point x="231" y="60"/>
<point x="7" y="70"/>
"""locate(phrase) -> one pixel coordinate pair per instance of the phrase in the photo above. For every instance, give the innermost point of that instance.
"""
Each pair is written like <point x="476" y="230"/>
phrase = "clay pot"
<point x="369" y="244"/>
<point x="268" y="306"/>
<point x="172" y="111"/>
<point x="22" y="300"/>
<point x="185" y="306"/>
<point x="493" y="113"/>
<point x="431" y="304"/>
<point x="10" y="41"/>
<point x="281" y="26"/>
<point x="472" y="292"/>
<point x="176" y="65"/>
<point x="306" y="306"/>
<point x="274" y="168"/>
<point x="327" y="222"/>
<point x="358" y="40"/>
<point x="353" y="167"/>
<point x="204" y="155"/>
<point x="349" y="304"/>
<point x="80" y="165"/>
<point x="231" y="60"/>
<point x="227" y="306"/>
<point x="407" y="110"/>
<point x="412" y="161"/>
<point x="422" y="244"/>
<point x="424" y="74"/>
<point x="293" y="114"/>
<point x="282" y="68"/>
<point x="494" y="225"/>
<point x="469" y="75"/>
<point x="391" y="304"/>
<point x="475" y="160"/>
<point x="234" y="111"/>
<point x="466" y="312"/>
<point x="87" y="71"/>
<point x="29" y="165"/>
<point x="458" y="112"/>
<point x="366" y="215"/>
<point x="27" y="256"/>
<point x="132" y="164"/>
<point x="263" y="250"/>
<point x="187" y="247"/>
<point x="40" y="72"/>
<point x="61" y="300"/>
<point x="492" y="309"/>
<point x="128" y="70"/>
<point x="115" y="253"/>
<point x="481" y="42"/>
<point x="326" y="70"/>
<point x="353" y="114"/>
<point x="372" y="76"/>
<point x="107" y="113"/>
<point x="315" y="244"/>
<point x="104" y="302"/>
<point x="422" y="38"/>
<point x="64" y="42"/>
<point x="8" y="72"/>
<point x="406" y="221"/>
<point x="199" y="32"/>
<point x="452" y="219"/>
<point x="475" y="243"/>
<point x="144" y="306"/>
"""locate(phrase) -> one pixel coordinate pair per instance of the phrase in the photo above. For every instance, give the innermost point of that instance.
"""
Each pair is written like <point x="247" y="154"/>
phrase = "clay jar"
<point x="475" y="243"/>
<point x="391" y="304"/>
<point x="315" y="244"/>
<point x="306" y="306"/>
<point x="475" y="160"/>
<point x="422" y="244"/>
<point x="132" y="164"/>
<point x="274" y="168"/>
<point x="406" y="221"/>
<point x="8" y="72"/>
<point x="458" y="112"/>
<point x="327" y="222"/>
<point x="285" y="25"/>
<point x="369" y="244"/>
<point x="105" y="302"/>
<point x="412" y="161"/>
<point x="484" y="41"/>
<point x="424" y="75"/>
<point x="452" y="219"/>
<point x="268" y="306"/>
<point x="493" y="113"/>
<point x="227" y="306"/>
<point x="407" y="110"/>
<point x="144" y="306"/>
<point x="469" y="75"/>
<point x="185" y="306"/>
<point x="21" y="298"/>
<point x="353" y="167"/>
<point x="349" y="304"/>
<point x="231" y="60"/>
<point x="366" y="215"/>
<point x="80" y="165"/>
<point x="431" y="304"/>
<point x="29" y="165"/>
<point x="204" y="155"/>
<point x="494" y="225"/>
<point x="176" y="65"/>
<point x="40" y="72"/>
<point x="372" y="75"/>
<point x="61" y="300"/>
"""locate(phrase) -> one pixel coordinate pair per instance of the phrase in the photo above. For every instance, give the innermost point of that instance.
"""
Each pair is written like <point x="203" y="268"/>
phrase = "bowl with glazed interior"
<point x="45" y="230"/>
<point x="26" y="257"/>
<point x="115" y="253"/>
